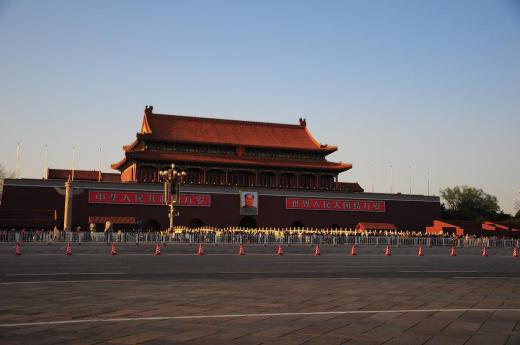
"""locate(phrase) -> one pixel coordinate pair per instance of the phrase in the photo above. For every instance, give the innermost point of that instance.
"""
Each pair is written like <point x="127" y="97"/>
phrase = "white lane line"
<point x="72" y="281"/>
<point x="35" y="274"/>
<point x="487" y="277"/>
<point x="195" y="317"/>
<point x="61" y="274"/>
<point x="338" y="278"/>
<point x="438" y="271"/>
<point x="272" y="272"/>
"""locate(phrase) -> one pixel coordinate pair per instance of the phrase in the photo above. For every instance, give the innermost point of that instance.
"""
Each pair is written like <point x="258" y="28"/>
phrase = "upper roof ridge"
<point x="213" y="119"/>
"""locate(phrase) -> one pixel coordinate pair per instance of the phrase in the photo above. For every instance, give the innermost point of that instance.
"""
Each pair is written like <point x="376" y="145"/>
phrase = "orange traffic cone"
<point x="200" y="251"/>
<point x="420" y="252"/>
<point x="113" y="251"/>
<point x="387" y="250"/>
<point x="157" y="249"/>
<point x="515" y="252"/>
<point x="18" y="250"/>
<point x="452" y="252"/>
<point x="353" y="250"/>
<point x="484" y="251"/>
<point x="241" y="250"/>
<point x="280" y="250"/>
<point x="317" y="250"/>
<point x="68" y="250"/>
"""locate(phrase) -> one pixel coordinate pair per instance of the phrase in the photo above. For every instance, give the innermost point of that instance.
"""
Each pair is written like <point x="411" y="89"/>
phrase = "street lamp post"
<point x="172" y="178"/>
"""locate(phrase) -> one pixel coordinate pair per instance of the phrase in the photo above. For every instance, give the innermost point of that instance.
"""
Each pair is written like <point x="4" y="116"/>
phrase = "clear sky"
<point x="415" y="85"/>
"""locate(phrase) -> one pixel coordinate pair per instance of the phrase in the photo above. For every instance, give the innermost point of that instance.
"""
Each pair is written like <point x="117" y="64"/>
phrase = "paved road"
<point x="260" y="298"/>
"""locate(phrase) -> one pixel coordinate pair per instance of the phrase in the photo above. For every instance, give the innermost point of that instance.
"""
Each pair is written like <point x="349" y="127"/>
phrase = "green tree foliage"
<point x="469" y="203"/>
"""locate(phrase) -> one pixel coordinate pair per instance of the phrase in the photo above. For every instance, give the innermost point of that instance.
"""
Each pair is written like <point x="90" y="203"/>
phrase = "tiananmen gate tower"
<point x="282" y="168"/>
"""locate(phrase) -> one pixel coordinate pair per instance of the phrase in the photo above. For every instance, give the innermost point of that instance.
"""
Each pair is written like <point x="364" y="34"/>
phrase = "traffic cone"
<point x="515" y="252"/>
<point x="241" y="250"/>
<point x="200" y="251"/>
<point x="387" y="250"/>
<point x="353" y="250"/>
<point x="280" y="250"/>
<point x="317" y="251"/>
<point x="68" y="250"/>
<point x="113" y="251"/>
<point x="18" y="250"/>
<point x="157" y="249"/>
<point x="420" y="252"/>
<point x="484" y="251"/>
<point x="452" y="252"/>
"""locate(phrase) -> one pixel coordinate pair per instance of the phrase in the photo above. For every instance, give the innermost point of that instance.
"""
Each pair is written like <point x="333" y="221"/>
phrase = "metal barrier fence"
<point x="259" y="238"/>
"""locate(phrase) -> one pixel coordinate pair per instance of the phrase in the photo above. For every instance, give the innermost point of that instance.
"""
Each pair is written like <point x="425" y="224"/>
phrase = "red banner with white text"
<point x="314" y="204"/>
<point x="145" y="198"/>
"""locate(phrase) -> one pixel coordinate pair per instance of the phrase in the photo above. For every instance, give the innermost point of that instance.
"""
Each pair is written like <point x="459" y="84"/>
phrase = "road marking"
<point x="496" y="277"/>
<point x="72" y="281"/>
<point x="195" y="317"/>
<point x="61" y="274"/>
<point x="438" y="271"/>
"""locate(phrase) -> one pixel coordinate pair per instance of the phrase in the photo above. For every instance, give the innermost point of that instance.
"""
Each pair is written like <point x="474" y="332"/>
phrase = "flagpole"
<point x="99" y="175"/>
<point x="17" y="170"/>
<point x="428" y="181"/>
<point x="391" y="179"/>
<point x="373" y="177"/>
<point x="410" y="172"/>
<point x="73" y="158"/>
<point x="46" y="162"/>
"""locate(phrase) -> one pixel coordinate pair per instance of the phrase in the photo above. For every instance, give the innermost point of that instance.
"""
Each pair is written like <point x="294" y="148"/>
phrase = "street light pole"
<point x="172" y="178"/>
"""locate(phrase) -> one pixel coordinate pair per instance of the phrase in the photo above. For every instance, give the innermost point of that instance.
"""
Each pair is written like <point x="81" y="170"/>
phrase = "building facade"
<point x="238" y="173"/>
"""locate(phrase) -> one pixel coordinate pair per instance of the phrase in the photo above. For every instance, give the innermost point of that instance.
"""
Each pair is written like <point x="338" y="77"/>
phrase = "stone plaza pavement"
<point x="94" y="299"/>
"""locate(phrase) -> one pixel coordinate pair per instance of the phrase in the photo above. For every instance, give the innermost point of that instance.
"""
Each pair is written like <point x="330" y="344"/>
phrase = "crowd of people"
<point x="179" y="232"/>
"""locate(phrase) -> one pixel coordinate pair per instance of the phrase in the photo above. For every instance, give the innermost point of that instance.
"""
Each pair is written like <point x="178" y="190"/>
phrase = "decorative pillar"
<point x="67" y="214"/>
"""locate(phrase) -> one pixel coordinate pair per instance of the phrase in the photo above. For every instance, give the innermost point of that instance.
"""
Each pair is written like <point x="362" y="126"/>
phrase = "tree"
<point x="469" y="203"/>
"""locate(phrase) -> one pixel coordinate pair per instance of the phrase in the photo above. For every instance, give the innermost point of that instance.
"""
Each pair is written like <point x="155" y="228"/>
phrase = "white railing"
<point x="252" y="237"/>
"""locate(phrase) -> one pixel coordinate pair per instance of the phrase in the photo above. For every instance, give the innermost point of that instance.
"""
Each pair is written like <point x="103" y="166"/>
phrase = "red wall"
<point x="224" y="210"/>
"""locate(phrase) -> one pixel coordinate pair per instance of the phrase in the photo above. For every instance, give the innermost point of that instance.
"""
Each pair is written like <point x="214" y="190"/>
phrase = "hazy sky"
<point x="420" y="84"/>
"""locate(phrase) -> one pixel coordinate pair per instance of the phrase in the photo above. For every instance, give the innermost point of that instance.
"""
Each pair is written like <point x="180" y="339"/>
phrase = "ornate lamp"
<point x="172" y="178"/>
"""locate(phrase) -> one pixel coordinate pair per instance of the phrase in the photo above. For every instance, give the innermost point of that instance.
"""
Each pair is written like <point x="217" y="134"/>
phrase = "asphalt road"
<point x="181" y="262"/>
<point x="179" y="297"/>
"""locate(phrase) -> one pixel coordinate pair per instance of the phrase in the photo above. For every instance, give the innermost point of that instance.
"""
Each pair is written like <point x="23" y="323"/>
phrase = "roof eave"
<point x="324" y="149"/>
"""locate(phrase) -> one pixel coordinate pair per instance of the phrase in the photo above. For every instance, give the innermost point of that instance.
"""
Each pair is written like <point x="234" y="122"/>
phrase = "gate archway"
<point x="248" y="222"/>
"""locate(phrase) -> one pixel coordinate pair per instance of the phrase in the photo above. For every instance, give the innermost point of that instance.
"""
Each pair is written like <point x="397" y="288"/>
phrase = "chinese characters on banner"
<point x="145" y="198"/>
<point x="334" y="205"/>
